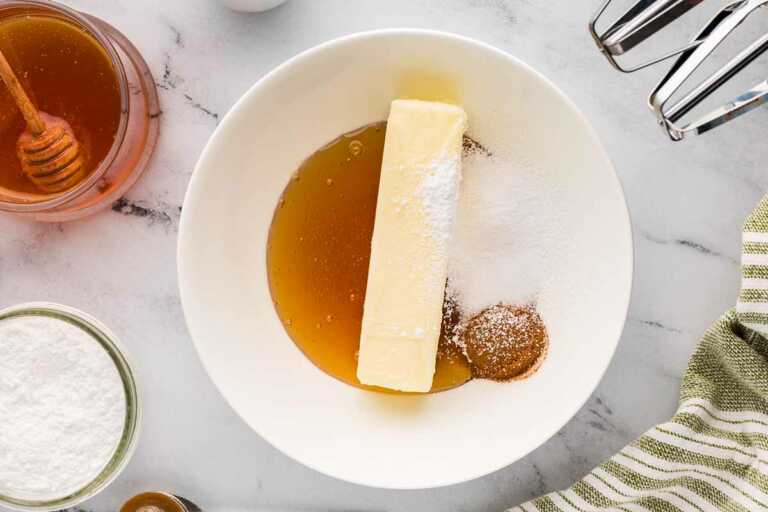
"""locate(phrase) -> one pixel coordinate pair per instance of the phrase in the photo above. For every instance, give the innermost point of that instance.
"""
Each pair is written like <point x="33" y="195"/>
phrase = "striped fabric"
<point x="753" y="300"/>
<point x="713" y="454"/>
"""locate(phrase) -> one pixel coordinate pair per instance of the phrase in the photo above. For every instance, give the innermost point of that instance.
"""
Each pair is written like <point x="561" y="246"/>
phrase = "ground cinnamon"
<point x="505" y="342"/>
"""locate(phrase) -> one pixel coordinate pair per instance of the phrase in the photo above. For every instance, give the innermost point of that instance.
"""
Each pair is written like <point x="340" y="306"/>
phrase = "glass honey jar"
<point x="81" y="69"/>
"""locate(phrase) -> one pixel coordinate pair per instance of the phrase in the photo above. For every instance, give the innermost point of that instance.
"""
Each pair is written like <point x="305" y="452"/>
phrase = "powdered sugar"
<point x="505" y="232"/>
<point x="62" y="407"/>
<point x="439" y="196"/>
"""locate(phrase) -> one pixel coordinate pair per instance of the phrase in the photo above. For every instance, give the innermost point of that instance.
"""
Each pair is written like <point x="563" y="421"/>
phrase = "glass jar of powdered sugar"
<point x="69" y="407"/>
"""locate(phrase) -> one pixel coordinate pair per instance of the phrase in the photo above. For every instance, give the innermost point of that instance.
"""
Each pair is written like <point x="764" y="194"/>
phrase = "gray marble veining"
<point x="687" y="202"/>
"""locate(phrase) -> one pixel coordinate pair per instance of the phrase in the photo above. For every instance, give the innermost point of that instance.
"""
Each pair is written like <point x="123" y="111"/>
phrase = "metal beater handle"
<point x="645" y="18"/>
<point x="710" y="37"/>
<point x="637" y="24"/>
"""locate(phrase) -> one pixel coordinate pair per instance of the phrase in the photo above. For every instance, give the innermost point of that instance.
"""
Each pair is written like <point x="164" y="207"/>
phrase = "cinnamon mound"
<point x="506" y="342"/>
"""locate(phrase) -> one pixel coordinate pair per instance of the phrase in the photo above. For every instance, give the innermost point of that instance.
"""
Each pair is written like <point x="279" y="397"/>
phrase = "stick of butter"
<point x="418" y="194"/>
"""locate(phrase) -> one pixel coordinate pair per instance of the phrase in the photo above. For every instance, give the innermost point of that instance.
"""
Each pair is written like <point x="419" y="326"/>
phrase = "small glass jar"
<point x="136" y="135"/>
<point x="127" y="443"/>
<point x="158" y="501"/>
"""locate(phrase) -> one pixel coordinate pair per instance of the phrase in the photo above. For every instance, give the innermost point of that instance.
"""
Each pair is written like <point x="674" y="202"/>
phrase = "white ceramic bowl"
<point x="369" y="438"/>
<point x="252" y="5"/>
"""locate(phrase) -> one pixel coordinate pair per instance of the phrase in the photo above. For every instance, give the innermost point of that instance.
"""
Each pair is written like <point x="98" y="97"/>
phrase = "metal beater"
<point x="644" y="19"/>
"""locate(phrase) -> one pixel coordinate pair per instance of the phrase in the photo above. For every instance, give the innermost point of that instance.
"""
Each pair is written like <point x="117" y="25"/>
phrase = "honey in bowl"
<point x="318" y="254"/>
<point x="66" y="73"/>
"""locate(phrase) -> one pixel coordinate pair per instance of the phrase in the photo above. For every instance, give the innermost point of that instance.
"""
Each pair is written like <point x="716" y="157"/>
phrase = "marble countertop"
<point x="687" y="202"/>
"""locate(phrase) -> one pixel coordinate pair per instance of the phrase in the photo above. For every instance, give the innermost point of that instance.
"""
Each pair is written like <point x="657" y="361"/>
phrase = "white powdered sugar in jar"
<point x="62" y="407"/>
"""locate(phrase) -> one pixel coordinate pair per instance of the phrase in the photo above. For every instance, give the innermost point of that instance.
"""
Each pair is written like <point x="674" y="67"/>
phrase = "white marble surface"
<point x="687" y="202"/>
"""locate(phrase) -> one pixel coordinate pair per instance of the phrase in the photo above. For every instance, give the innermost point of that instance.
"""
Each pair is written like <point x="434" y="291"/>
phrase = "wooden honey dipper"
<point x="49" y="153"/>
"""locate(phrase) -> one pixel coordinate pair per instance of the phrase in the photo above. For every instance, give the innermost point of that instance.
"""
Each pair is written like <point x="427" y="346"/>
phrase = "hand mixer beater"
<point x="647" y="17"/>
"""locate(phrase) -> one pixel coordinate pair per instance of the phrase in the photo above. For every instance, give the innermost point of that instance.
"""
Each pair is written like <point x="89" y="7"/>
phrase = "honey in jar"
<point x="155" y="501"/>
<point x="82" y="70"/>
<point x="66" y="73"/>
<point x="318" y="253"/>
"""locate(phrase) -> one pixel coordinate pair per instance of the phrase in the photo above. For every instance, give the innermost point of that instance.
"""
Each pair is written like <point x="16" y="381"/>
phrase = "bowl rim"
<point x="253" y="91"/>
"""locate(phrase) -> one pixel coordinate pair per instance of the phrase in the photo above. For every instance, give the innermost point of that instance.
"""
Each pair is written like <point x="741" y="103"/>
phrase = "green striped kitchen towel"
<point x="713" y="454"/>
